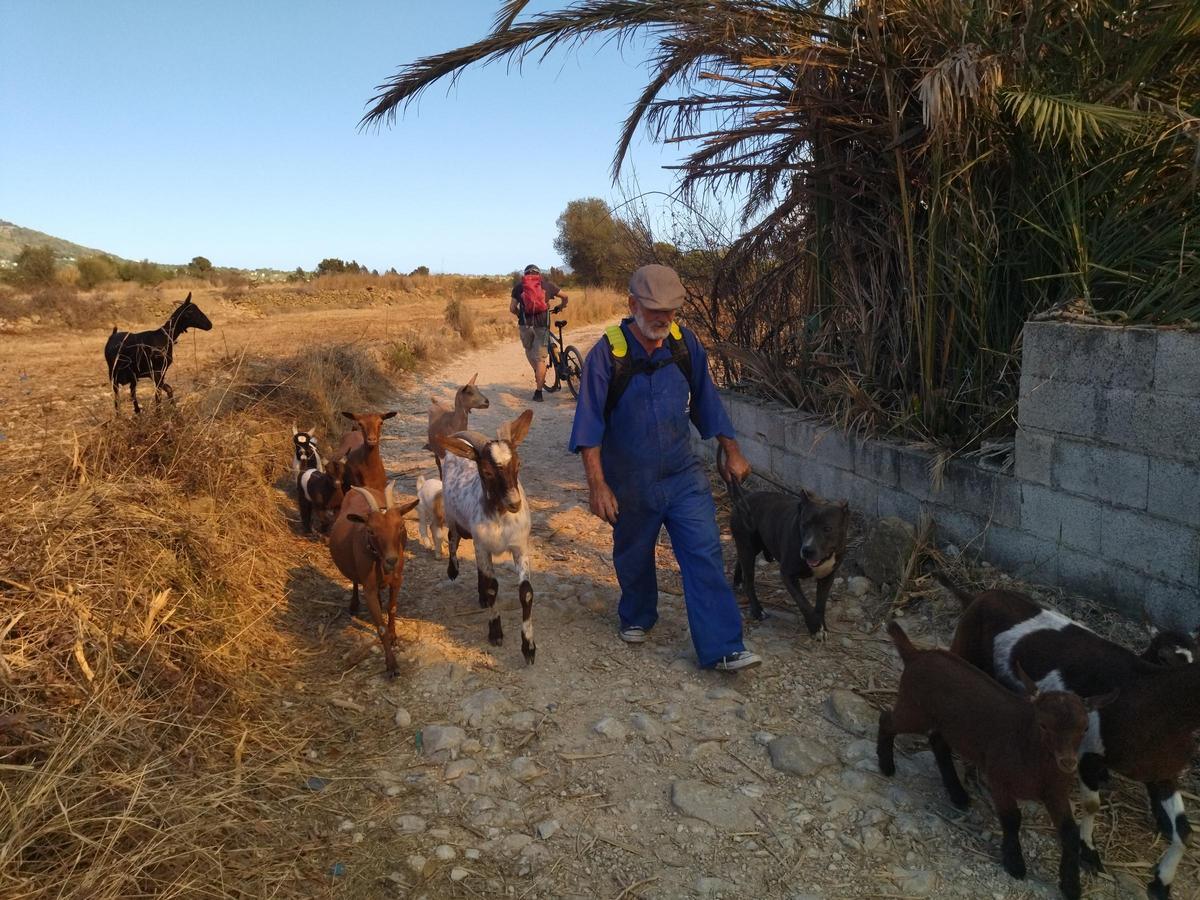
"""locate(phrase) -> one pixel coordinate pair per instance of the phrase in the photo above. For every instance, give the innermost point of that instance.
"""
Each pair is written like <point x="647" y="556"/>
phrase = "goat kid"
<point x="445" y="420"/>
<point x="360" y="449"/>
<point x="1147" y="734"/>
<point x="320" y="492"/>
<point x="305" y="454"/>
<point x="1168" y="647"/>
<point x="367" y="543"/>
<point x="148" y="354"/>
<point x="1025" y="747"/>
<point x="484" y="500"/>
<point x="431" y="514"/>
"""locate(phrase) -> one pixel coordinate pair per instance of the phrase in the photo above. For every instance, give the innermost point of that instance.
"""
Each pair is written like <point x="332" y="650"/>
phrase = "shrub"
<point x="460" y="318"/>
<point x="35" y="265"/>
<point x="95" y="270"/>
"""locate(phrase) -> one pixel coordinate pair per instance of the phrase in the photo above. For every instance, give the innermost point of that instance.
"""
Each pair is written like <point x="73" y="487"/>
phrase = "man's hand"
<point x="734" y="467"/>
<point x="602" y="502"/>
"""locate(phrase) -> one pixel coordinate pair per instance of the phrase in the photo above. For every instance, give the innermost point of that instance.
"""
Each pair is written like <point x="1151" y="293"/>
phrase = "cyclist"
<point x="530" y="304"/>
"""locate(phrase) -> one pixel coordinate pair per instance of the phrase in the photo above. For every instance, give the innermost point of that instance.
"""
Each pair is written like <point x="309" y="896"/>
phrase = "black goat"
<point x="148" y="354"/>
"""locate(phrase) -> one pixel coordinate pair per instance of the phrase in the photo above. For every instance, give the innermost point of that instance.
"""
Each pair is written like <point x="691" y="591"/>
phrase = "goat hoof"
<point x="963" y="801"/>
<point x="452" y="571"/>
<point x="1089" y="859"/>
<point x="1015" y="867"/>
<point x="1156" y="890"/>
<point x="529" y="651"/>
<point x="757" y="614"/>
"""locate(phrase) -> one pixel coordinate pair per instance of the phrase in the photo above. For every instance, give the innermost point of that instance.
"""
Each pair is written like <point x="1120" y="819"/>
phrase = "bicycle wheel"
<point x="552" y="376"/>
<point x="573" y="363"/>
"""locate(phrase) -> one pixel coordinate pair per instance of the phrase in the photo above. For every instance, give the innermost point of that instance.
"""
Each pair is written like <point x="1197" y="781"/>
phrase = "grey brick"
<point x="965" y="530"/>
<point x="799" y="431"/>
<point x="1162" y="549"/>
<point x="757" y="453"/>
<point x="1115" y="476"/>
<point x="913" y="468"/>
<point x="1175" y="491"/>
<point x="796" y="473"/>
<point x="1006" y="505"/>
<point x="767" y="423"/>
<point x="1089" y="354"/>
<point x="1169" y="605"/>
<point x="1158" y="425"/>
<point x="1061" y="518"/>
<point x="1023" y="554"/>
<point x="860" y="493"/>
<point x="1087" y="574"/>
<point x="1031" y="455"/>
<point x="741" y="412"/>
<point x="876" y="460"/>
<point x="1177" y="364"/>
<point x="1060" y="407"/>
<point x="896" y="503"/>
<point x="966" y="487"/>
<point x="833" y="447"/>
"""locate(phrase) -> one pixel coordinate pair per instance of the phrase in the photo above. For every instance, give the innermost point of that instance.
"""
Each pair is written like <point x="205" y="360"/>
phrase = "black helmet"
<point x="531" y="269"/>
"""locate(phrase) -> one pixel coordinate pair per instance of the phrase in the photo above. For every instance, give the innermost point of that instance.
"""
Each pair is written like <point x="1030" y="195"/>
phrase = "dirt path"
<point x="614" y="771"/>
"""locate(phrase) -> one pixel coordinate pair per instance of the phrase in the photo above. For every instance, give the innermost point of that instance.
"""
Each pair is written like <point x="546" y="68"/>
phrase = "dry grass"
<point x="144" y="642"/>
<point x="595" y="305"/>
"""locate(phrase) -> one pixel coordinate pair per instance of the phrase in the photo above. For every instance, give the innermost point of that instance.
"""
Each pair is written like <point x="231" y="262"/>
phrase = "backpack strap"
<point x="624" y="369"/>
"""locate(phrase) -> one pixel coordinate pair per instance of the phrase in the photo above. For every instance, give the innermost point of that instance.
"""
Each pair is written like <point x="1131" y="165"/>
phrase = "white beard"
<point x="652" y="332"/>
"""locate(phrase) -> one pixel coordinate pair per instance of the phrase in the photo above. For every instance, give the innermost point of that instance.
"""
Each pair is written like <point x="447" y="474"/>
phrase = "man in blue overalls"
<point x="633" y="430"/>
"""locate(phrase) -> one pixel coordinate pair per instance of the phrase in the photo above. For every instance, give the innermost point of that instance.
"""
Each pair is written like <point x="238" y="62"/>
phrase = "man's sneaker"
<point x="743" y="659"/>
<point x="633" y="635"/>
<point x="537" y="395"/>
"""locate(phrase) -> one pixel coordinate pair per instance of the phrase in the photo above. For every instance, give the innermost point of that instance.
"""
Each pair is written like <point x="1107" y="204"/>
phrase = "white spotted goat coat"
<point x="462" y="495"/>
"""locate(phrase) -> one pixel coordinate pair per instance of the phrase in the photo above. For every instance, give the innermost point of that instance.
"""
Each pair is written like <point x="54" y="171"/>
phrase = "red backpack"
<point x="533" y="295"/>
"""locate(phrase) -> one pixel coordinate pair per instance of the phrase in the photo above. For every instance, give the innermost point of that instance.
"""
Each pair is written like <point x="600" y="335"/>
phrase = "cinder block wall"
<point x="1104" y="494"/>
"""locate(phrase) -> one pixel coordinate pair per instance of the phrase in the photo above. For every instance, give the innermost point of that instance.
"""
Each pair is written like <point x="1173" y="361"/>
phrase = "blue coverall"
<point x="646" y="454"/>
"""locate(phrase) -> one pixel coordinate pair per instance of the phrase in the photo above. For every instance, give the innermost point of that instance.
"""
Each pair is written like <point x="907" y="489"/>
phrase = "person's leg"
<point x="540" y="336"/>
<point x="634" y="538"/>
<point x="713" y="615"/>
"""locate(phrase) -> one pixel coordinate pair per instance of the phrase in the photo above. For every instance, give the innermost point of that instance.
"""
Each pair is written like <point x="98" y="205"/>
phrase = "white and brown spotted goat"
<point x="484" y="500"/>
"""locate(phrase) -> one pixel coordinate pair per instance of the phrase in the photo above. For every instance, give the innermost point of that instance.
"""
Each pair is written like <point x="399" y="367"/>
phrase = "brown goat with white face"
<point x="364" y="466"/>
<point x="367" y="542"/>
<point x="444" y="421"/>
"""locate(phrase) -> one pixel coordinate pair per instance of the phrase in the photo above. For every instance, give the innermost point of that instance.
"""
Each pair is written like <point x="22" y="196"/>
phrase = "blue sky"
<point x="229" y="130"/>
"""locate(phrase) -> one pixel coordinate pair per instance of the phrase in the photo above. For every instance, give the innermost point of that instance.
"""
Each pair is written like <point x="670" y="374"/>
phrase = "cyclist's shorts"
<point x="534" y="340"/>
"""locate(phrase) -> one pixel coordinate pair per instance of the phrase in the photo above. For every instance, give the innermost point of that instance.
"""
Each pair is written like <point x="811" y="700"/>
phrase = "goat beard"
<point x="649" y="329"/>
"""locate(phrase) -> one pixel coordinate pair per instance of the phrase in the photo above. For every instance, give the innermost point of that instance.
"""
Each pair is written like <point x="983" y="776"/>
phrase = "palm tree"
<point x="916" y="178"/>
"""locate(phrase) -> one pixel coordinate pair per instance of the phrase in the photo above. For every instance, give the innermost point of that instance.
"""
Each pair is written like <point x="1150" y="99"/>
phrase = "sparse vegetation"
<point x="460" y="318"/>
<point x="36" y="266"/>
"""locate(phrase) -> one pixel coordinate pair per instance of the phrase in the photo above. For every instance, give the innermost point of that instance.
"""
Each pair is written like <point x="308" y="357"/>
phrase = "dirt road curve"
<point x="614" y="771"/>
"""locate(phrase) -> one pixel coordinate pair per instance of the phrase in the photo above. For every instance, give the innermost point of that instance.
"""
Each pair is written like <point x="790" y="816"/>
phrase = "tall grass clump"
<point x="461" y="318"/>
<point x="915" y="179"/>
<point x="145" y="565"/>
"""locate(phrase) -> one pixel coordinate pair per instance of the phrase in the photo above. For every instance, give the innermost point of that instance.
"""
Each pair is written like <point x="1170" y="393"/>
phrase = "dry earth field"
<point x="602" y="771"/>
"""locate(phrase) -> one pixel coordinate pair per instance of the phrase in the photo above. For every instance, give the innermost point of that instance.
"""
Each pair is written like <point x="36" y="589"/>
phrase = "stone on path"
<point x="719" y="808"/>
<point x="402" y="718"/>
<point x="436" y="738"/>
<point x="886" y="550"/>
<point x="526" y="769"/>
<point x="410" y="824"/>
<point x="647" y="726"/>
<point x="915" y="882"/>
<point x="458" y="873"/>
<point x="610" y="728"/>
<point x="714" y="887"/>
<point x="799" y="756"/>
<point x="858" y="586"/>
<point x="483" y="705"/>
<point x="852" y="712"/>
<point x="546" y="829"/>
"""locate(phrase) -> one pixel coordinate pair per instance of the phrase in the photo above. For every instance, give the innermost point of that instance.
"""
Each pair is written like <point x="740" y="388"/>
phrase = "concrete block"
<point x="1161" y="549"/>
<point x="1159" y="425"/>
<point x="1031" y="455"/>
<point x="767" y="422"/>
<point x="833" y="447"/>
<point x="741" y="412"/>
<point x="966" y="487"/>
<point x="967" y="531"/>
<point x="797" y="473"/>
<point x="1090" y="354"/>
<point x="1061" y="518"/>
<point x="1169" y="605"/>
<point x="914" y="471"/>
<point x="1106" y="473"/>
<point x="876" y="460"/>
<point x="757" y="453"/>
<point x="1174" y="491"/>
<point x="891" y="502"/>
<point x="860" y="493"/>
<point x="1023" y="554"/>
<point x="1177" y="364"/>
<point x="799" y="432"/>
<point x="1087" y="574"/>
<point x="1006" y="501"/>
<point x="1060" y="407"/>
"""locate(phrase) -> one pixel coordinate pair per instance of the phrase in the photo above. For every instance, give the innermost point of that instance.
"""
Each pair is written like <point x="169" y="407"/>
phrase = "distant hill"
<point x="14" y="237"/>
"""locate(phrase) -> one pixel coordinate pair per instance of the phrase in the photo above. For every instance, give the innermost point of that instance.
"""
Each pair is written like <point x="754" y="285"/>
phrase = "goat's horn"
<point x="475" y="439"/>
<point x="294" y="431"/>
<point x="370" y="497"/>
<point x="389" y="494"/>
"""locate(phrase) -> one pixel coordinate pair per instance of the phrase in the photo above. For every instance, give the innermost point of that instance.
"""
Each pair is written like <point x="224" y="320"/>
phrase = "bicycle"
<point x="566" y="363"/>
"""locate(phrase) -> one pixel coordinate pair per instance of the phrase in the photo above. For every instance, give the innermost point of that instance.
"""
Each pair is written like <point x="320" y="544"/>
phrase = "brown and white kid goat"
<point x="484" y="500"/>
<point x="445" y="421"/>
<point x="367" y="543"/>
<point x="1147" y="734"/>
<point x="1025" y="747"/>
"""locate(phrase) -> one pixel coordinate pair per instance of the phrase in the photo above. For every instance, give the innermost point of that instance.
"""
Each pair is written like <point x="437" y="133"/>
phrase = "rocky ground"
<point x="607" y="770"/>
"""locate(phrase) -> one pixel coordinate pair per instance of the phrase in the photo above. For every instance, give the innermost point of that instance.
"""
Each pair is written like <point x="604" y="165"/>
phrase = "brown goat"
<point x="444" y="420"/>
<point x="1025" y="747"/>
<point x="367" y="543"/>
<point x="360" y="448"/>
<point x="1147" y="735"/>
<point x="320" y="493"/>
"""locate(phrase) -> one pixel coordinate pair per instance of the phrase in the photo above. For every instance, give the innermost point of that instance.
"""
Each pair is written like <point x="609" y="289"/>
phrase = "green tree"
<point x="95" y="270"/>
<point x="594" y="244"/>
<point x="419" y="270"/>
<point x="331" y="266"/>
<point x="35" y="265"/>
<point x="200" y="266"/>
